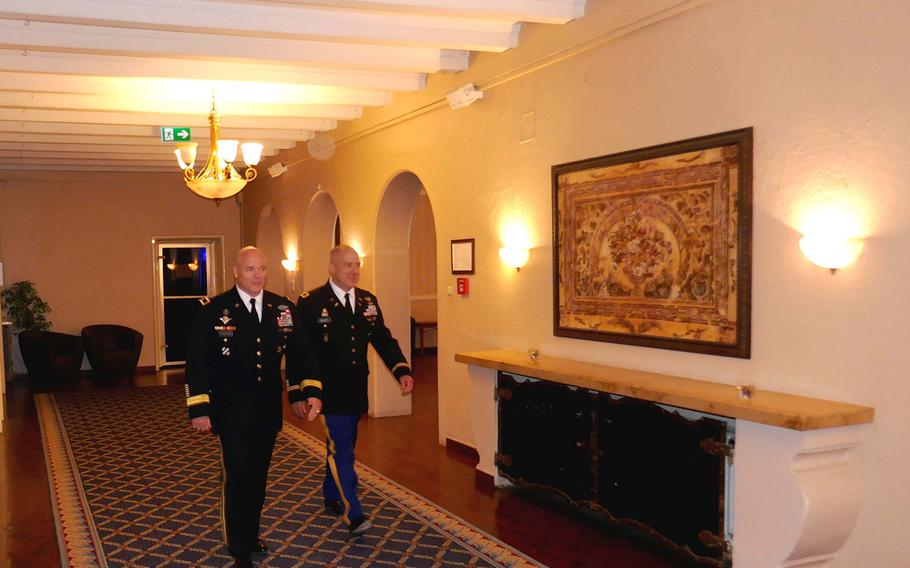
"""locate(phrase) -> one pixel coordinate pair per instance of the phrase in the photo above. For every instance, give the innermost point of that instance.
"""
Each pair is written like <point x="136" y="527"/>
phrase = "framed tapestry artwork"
<point x="652" y="247"/>
<point x="463" y="256"/>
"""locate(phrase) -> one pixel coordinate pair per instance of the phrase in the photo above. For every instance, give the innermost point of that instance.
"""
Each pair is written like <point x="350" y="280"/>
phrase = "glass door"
<point x="185" y="274"/>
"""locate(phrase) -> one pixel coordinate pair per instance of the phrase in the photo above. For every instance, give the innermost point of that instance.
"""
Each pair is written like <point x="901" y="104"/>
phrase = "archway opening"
<point x="405" y="281"/>
<point x="269" y="241"/>
<point x="320" y="225"/>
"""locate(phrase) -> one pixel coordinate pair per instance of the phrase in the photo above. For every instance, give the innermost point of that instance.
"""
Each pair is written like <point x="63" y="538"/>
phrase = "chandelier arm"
<point x="250" y="173"/>
<point x="189" y="174"/>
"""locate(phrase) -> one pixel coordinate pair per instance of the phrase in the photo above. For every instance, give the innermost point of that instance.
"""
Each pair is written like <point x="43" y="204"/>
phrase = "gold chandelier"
<point x="218" y="179"/>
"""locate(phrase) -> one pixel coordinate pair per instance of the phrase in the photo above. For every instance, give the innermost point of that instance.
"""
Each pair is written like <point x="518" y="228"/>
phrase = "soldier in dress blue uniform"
<point x="234" y="386"/>
<point x="341" y="320"/>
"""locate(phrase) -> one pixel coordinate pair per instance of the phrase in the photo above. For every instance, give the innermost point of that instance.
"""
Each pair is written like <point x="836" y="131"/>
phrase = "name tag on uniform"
<point x="324" y="320"/>
<point x="225" y="330"/>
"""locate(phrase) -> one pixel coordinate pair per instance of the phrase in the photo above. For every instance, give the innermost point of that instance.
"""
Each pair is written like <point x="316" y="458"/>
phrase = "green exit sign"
<point x="175" y="134"/>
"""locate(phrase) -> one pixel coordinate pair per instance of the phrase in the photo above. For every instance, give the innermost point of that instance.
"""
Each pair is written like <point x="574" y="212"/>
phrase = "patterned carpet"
<point x="135" y="486"/>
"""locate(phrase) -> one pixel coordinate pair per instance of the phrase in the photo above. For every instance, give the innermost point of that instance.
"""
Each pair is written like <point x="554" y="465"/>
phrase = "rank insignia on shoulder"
<point x="304" y="294"/>
<point x="204" y="301"/>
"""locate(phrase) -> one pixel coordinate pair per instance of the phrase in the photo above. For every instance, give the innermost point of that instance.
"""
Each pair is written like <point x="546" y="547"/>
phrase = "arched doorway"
<point x="403" y="279"/>
<point x="320" y="224"/>
<point x="269" y="241"/>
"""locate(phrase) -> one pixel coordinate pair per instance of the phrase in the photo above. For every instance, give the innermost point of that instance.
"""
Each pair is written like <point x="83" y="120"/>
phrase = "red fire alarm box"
<point x="461" y="285"/>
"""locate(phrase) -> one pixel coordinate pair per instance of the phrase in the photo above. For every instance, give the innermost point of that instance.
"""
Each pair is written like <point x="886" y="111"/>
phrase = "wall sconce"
<point x="289" y="264"/>
<point x="830" y="251"/>
<point x="515" y="257"/>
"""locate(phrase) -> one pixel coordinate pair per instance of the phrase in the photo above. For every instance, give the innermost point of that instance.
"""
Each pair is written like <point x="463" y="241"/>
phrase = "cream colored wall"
<point x="86" y="241"/>
<point x="823" y="84"/>
<point x="423" y="266"/>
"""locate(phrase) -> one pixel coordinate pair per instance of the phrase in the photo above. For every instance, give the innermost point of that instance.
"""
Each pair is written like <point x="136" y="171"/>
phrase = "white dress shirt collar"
<point x="340" y="293"/>
<point x="246" y="301"/>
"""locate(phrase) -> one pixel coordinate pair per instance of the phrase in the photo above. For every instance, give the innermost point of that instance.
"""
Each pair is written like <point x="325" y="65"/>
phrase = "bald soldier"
<point x="341" y="320"/>
<point x="234" y="386"/>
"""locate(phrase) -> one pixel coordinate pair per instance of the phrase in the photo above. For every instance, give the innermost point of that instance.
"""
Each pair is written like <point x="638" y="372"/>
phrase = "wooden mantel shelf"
<point x="764" y="407"/>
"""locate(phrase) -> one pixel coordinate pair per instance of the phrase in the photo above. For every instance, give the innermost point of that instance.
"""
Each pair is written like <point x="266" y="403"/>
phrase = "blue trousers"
<point x="340" y="479"/>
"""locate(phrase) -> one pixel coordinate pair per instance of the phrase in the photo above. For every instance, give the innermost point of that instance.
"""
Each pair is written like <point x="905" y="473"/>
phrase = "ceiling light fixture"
<point x="218" y="179"/>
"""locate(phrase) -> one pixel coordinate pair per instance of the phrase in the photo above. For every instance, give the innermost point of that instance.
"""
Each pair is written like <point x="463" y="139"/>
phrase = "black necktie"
<point x="253" y="308"/>
<point x="347" y="302"/>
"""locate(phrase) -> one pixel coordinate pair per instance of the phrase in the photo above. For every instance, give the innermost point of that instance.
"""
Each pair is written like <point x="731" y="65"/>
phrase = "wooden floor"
<point x="404" y="449"/>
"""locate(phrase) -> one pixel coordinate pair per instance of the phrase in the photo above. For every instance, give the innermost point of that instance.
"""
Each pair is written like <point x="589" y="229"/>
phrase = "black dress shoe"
<point x="259" y="547"/>
<point x="335" y="507"/>
<point x="359" y="526"/>
<point x="243" y="562"/>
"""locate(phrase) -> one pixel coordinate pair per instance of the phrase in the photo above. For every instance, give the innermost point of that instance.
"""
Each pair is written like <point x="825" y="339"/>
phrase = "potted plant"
<point x="27" y="312"/>
<point x="25" y="308"/>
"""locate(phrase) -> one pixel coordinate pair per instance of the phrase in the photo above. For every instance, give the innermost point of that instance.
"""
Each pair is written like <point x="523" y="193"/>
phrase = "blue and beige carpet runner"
<point x="133" y="485"/>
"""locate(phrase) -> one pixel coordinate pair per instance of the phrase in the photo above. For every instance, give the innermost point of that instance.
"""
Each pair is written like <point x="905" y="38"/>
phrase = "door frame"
<point x="215" y="281"/>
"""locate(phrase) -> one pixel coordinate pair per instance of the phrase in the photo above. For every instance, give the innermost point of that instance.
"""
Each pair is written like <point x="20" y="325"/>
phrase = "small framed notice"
<point x="463" y="256"/>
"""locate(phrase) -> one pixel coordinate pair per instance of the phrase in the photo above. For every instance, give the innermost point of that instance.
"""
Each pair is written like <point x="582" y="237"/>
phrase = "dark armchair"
<point x="50" y="356"/>
<point x="112" y="350"/>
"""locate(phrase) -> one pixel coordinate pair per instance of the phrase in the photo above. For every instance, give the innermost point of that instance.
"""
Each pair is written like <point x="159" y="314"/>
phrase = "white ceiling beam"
<point x="16" y="165"/>
<point x="87" y="158"/>
<point x="130" y="142"/>
<point x="150" y="67"/>
<point x="271" y="20"/>
<point x="536" y="11"/>
<point x="166" y="149"/>
<point x="127" y="132"/>
<point x="189" y="89"/>
<point x="51" y="101"/>
<point x="50" y="36"/>
<point x="163" y="119"/>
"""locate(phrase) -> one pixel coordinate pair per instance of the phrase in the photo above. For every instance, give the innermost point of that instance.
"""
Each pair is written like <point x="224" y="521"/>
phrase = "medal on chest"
<point x="285" y="319"/>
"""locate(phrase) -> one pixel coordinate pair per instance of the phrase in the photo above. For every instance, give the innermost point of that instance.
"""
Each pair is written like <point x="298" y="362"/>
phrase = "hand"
<point x="299" y="408"/>
<point x="407" y="383"/>
<point x="315" y="408"/>
<point x="201" y="424"/>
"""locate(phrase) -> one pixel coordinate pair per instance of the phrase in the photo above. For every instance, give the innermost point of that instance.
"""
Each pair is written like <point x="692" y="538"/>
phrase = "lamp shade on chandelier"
<point x="218" y="178"/>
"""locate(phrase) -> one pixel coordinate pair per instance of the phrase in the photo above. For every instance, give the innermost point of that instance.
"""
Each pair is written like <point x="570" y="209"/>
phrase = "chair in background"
<point x="50" y="357"/>
<point x="112" y="350"/>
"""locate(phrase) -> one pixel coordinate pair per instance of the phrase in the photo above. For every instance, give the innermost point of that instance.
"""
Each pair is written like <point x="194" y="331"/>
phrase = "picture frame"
<point x="653" y="247"/>
<point x="462" y="252"/>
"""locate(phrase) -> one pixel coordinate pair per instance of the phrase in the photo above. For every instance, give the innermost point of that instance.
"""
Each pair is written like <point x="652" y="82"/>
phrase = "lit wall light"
<point x="289" y="264"/>
<point x="829" y="251"/>
<point x="831" y="230"/>
<point x="359" y="250"/>
<point x="516" y="240"/>
<point x="515" y="257"/>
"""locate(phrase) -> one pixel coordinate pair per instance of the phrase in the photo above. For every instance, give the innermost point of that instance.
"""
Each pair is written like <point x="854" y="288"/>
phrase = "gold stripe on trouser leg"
<point x="224" y="476"/>
<point x="331" y="459"/>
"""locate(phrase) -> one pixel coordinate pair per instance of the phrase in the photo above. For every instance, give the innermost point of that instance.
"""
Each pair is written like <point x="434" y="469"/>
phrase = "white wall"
<point x="823" y="83"/>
